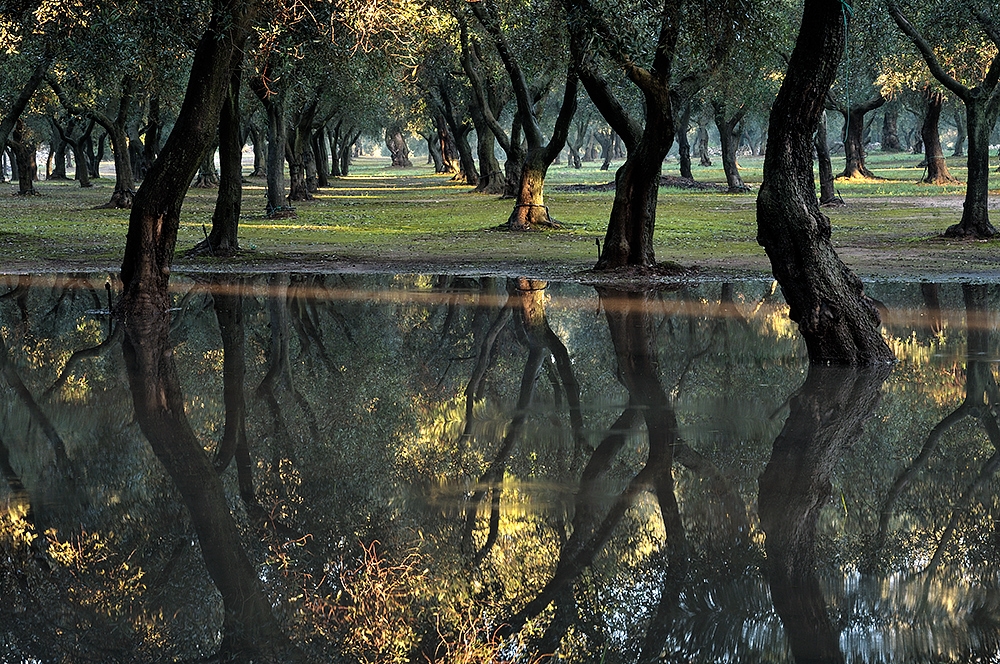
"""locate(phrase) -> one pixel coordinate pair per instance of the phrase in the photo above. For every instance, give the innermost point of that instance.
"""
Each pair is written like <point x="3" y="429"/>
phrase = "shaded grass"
<point x="397" y="216"/>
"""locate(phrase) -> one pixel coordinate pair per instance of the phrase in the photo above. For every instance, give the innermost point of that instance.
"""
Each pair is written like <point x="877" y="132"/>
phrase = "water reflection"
<point x="478" y="469"/>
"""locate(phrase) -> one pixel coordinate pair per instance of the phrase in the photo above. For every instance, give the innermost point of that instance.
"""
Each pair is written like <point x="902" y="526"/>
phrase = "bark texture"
<point x="839" y="322"/>
<point x="937" y="168"/>
<point x="155" y="215"/>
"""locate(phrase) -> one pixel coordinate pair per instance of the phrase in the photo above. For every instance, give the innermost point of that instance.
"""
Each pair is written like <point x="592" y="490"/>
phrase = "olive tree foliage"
<point x="960" y="43"/>
<point x="132" y="58"/>
<point x="32" y="35"/>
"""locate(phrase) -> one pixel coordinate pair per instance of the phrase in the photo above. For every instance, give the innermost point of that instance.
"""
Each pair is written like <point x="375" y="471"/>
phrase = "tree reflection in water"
<point x="463" y="469"/>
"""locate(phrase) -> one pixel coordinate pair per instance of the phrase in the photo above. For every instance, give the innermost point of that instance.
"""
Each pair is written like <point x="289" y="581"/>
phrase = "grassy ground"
<point x="413" y="220"/>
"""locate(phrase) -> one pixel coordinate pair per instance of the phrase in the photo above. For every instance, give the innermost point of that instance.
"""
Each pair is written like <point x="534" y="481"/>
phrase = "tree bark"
<point x="155" y="216"/>
<point x="397" y="147"/>
<point x="960" y="134"/>
<point x="530" y="211"/>
<point x="937" y="168"/>
<point x="839" y="322"/>
<point x="24" y="148"/>
<point x="827" y="193"/>
<point x="730" y="138"/>
<point x="491" y="177"/>
<point x="854" y="143"/>
<point x="274" y="107"/>
<point x="224" y="238"/>
<point x="890" y="128"/>
<point x="684" y="147"/>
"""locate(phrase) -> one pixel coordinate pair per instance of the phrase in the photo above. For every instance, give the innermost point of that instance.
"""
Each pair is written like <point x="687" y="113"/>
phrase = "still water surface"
<point x="419" y="468"/>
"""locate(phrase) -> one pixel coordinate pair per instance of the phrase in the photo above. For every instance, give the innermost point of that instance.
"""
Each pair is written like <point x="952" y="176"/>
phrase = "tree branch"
<point x="927" y="52"/>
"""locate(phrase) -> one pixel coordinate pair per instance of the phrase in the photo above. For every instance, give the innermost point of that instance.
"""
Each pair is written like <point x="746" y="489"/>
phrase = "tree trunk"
<point x="530" y="210"/>
<point x="684" y="147"/>
<point x="937" y="169"/>
<point x="827" y="194"/>
<point x="397" y="147"/>
<point x="854" y="140"/>
<point x="58" y="152"/>
<point x="730" y="139"/>
<point x="208" y="176"/>
<point x="24" y="148"/>
<point x="839" y="322"/>
<point x="890" y="128"/>
<point x="154" y="130"/>
<point x="980" y="118"/>
<point x="124" y="192"/>
<point x="319" y="148"/>
<point x="701" y="145"/>
<point x="274" y="106"/>
<point x="224" y="238"/>
<point x="155" y="216"/>
<point x="490" y="175"/>
<point x="446" y="146"/>
<point x="259" y="152"/>
<point x="961" y="135"/>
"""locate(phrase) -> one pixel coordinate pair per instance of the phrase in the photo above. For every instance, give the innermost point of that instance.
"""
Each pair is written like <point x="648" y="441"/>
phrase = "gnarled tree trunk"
<point x="937" y="169"/>
<point x="839" y="322"/>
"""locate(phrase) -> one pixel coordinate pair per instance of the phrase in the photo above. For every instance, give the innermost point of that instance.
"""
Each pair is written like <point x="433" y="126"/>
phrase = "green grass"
<point x="396" y="217"/>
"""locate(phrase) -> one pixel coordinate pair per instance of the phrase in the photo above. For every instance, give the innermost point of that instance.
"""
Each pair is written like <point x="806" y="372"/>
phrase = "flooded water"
<point x="416" y="468"/>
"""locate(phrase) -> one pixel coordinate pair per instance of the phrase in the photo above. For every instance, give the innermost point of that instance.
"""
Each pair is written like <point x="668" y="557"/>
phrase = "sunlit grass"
<point x="380" y="214"/>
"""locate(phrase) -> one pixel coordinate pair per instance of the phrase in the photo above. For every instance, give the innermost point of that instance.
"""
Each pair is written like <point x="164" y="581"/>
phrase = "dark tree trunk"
<point x="319" y="148"/>
<point x="24" y="149"/>
<point x="446" y="146"/>
<point x="259" y="152"/>
<point x="490" y="175"/>
<point x="224" y="238"/>
<point x="335" y="139"/>
<point x="274" y="106"/>
<point x="208" y="176"/>
<point x="605" y="141"/>
<point x="827" y="193"/>
<point x="960" y="134"/>
<point x="397" y="147"/>
<point x="684" y="147"/>
<point x="136" y="150"/>
<point x="153" y="222"/>
<point x="729" y="136"/>
<point x="839" y="322"/>
<point x="937" y="169"/>
<point x="58" y="153"/>
<point x="981" y="115"/>
<point x="854" y="139"/>
<point x="701" y="145"/>
<point x="826" y="416"/>
<point x="154" y="131"/>
<point x="629" y="238"/>
<point x="124" y="191"/>
<point x="297" y="152"/>
<point x="890" y="128"/>
<point x="466" y="161"/>
<point x="346" y="152"/>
